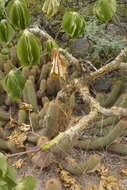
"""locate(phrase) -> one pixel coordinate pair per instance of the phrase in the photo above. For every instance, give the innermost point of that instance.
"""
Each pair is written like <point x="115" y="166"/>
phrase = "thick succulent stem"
<point x="114" y="94"/>
<point x="118" y="148"/>
<point x="99" y="143"/>
<point x="30" y="94"/>
<point x="8" y="145"/>
<point x="22" y="116"/>
<point x="4" y="115"/>
<point x="34" y="120"/>
<point x="68" y="138"/>
<point x="79" y="168"/>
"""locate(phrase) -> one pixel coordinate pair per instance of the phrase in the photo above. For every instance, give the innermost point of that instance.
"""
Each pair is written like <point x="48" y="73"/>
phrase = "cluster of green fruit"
<point x="15" y="16"/>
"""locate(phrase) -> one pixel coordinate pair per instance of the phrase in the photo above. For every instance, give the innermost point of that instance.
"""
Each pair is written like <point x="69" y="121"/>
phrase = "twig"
<point x="25" y="152"/>
<point x="118" y="63"/>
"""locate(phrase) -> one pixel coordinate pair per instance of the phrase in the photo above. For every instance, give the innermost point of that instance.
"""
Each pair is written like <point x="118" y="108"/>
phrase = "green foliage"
<point x="8" y="178"/>
<point x="51" y="7"/>
<point x="14" y="83"/>
<point x="7" y="175"/>
<point x="74" y="24"/>
<point x="105" y="9"/>
<point x="104" y="45"/>
<point x="14" y="14"/>
<point x="6" y="31"/>
<point x="2" y="7"/>
<point x="27" y="183"/>
<point x="28" y="49"/>
<point x="18" y="14"/>
<point x="50" y="45"/>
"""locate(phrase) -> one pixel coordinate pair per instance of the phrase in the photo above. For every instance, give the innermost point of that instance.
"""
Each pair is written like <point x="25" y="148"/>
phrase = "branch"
<point x="41" y="33"/>
<point x="86" y="96"/>
<point x="45" y="36"/>
<point x="69" y="137"/>
<point x="118" y="63"/>
<point x="101" y="142"/>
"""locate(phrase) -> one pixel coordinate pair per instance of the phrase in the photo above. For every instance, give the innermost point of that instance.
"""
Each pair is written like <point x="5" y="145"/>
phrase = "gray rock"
<point x="102" y="84"/>
<point x="79" y="47"/>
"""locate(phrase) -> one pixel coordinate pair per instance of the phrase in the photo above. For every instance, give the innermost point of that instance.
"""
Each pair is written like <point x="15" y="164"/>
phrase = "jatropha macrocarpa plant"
<point x="15" y="18"/>
<point x="9" y="180"/>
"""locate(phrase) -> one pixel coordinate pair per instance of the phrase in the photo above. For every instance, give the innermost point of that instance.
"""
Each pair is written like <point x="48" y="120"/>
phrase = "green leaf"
<point x="6" y="31"/>
<point x="51" y="7"/>
<point x="4" y="185"/>
<point x="105" y="9"/>
<point x="50" y="45"/>
<point x="28" y="49"/>
<point x="3" y="165"/>
<point x="73" y="24"/>
<point x="14" y="83"/>
<point x="2" y="182"/>
<point x="27" y="183"/>
<point x="18" y="13"/>
<point x="2" y="7"/>
<point x="11" y="173"/>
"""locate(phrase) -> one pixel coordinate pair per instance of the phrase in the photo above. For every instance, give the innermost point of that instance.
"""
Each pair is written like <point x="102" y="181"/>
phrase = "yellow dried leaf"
<point x="68" y="180"/>
<point x="123" y="173"/>
<point x="13" y="123"/>
<point x="25" y="106"/>
<point x="18" y="164"/>
<point x="102" y="170"/>
<point x="109" y="183"/>
<point x="70" y="159"/>
<point x="18" y="138"/>
<point x="92" y="187"/>
<point x="24" y="127"/>
<point x="59" y="67"/>
<point x="109" y="179"/>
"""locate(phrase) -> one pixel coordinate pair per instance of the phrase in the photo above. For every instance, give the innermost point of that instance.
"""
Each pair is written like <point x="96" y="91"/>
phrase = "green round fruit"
<point x="74" y="24"/>
<point x="18" y="14"/>
<point x="14" y="83"/>
<point x="105" y="9"/>
<point x="28" y="49"/>
<point x="6" y="31"/>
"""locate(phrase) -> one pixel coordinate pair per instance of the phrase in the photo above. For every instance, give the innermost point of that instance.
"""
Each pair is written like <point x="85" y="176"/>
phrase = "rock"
<point x="79" y="47"/>
<point x="102" y="84"/>
<point x="113" y="30"/>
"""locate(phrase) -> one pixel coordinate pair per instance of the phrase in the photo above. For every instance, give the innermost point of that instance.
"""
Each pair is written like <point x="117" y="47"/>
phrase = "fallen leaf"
<point x="18" y="137"/>
<point x="18" y="164"/>
<point x="68" y="180"/>
<point x="123" y="172"/>
<point x="13" y="123"/>
<point x="25" y="106"/>
<point x="59" y="68"/>
<point x="92" y="187"/>
<point x="24" y="127"/>
<point x="102" y="170"/>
